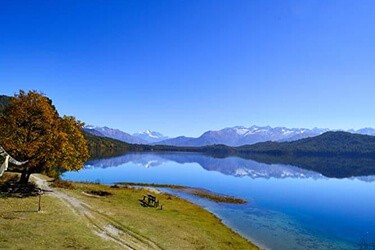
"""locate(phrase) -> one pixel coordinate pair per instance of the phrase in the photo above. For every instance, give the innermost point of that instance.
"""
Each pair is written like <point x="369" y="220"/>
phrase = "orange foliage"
<point x="31" y="129"/>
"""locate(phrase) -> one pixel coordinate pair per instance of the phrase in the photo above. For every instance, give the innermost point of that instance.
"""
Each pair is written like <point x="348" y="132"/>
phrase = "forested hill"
<point x="102" y="147"/>
<point x="4" y="102"/>
<point x="327" y="144"/>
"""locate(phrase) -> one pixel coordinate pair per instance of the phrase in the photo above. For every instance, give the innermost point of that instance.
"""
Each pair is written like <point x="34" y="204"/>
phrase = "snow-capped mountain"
<point x="114" y="134"/>
<point x="150" y="136"/>
<point x="233" y="136"/>
<point x="237" y="136"/>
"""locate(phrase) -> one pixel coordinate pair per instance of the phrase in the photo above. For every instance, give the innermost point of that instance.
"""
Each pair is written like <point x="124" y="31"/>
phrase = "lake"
<point x="288" y="207"/>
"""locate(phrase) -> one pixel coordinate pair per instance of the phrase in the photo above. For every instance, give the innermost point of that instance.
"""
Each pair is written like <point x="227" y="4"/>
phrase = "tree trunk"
<point x="25" y="175"/>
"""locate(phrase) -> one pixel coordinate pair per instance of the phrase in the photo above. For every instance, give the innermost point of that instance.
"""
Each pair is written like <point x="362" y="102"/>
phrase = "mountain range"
<point x="238" y="136"/>
<point x="234" y="136"/>
<point x="145" y="137"/>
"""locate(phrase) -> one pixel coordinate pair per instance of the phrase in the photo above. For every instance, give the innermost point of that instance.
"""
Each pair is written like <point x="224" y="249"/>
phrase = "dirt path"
<point x="101" y="224"/>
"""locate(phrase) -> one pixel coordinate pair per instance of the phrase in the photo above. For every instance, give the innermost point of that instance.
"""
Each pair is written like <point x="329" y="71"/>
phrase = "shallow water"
<point x="288" y="208"/>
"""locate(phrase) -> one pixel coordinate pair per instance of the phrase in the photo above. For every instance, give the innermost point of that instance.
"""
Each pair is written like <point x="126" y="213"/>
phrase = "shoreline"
<point x="146" y="188"/>
<point x="223" y="221"/>
<point x="200" y="192"/>
<point x="113" y="216"/>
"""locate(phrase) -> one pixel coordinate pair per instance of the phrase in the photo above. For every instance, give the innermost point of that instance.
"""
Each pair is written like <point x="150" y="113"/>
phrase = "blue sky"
<point x="184" y="67"/>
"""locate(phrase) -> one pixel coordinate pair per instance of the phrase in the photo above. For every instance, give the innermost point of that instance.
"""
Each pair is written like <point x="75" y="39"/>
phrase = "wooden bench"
<point x="150" y="200"/>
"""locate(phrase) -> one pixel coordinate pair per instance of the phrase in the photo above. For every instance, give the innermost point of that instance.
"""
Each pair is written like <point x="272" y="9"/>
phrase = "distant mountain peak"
<point x="150" y="133"/>
<point x="113" y="133"/>
<point x="150" y="136"/>
<point x="89" y="127"/>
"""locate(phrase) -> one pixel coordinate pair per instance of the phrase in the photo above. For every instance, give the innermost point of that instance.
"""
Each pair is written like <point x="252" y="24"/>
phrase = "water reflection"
<point x="337" y="167"/>
<point x="254" y="166"/>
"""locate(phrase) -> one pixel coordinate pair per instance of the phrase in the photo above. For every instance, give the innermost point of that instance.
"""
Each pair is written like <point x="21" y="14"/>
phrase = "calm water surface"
<point x="288" y="208"/>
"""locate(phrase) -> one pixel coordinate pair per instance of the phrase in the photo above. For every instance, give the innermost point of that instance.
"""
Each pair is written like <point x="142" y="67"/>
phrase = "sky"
<point x="185" y="67"/>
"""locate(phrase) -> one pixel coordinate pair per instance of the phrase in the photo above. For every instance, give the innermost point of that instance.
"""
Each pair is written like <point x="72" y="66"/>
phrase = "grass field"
<point x="180" y="225"/>
<point x="55" y="227"/>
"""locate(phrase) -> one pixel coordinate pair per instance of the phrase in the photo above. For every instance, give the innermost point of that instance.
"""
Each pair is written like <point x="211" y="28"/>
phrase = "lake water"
<point x="288" y="208"/>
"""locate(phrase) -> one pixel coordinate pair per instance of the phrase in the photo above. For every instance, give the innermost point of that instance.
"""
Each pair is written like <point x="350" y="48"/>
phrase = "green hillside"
<point x="327" y="144"/>
<point x="102" y="147"/>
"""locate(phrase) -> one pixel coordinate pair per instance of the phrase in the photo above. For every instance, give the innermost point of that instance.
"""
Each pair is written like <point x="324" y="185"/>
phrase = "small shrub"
<point x="99" y="193"/>
<point x="62" y="184"/>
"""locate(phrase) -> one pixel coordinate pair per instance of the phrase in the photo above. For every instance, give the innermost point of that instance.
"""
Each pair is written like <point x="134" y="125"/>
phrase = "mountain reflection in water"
<point x="254" y="166"/>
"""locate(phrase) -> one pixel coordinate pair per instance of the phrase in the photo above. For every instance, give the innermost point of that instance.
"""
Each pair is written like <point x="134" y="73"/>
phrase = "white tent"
<point x="8" y="159"/>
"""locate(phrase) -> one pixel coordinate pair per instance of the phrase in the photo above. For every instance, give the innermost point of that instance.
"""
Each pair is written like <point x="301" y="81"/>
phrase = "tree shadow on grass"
<point x="13" y="189"/>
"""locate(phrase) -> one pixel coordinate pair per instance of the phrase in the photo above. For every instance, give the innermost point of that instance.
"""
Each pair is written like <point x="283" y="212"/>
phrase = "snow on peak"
<point x="151" y="134"/>
<point x="89" y="127"/>
<point x="241" y="130"/>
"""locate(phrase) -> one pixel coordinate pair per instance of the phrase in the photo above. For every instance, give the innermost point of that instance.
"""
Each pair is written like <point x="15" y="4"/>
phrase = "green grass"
<point x="56" y="227"/>
<point x="180" y="224"/>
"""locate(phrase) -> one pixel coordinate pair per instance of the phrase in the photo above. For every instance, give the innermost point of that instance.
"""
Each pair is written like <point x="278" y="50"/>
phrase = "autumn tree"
<point x="32" y="130"/>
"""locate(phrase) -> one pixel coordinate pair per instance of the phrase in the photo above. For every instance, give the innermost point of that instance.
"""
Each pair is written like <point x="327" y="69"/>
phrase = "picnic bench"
<point x="150" y="200"/>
